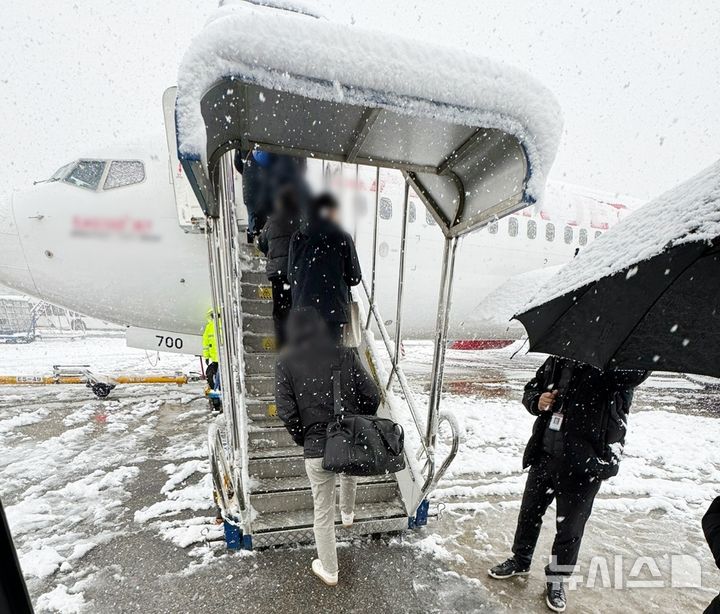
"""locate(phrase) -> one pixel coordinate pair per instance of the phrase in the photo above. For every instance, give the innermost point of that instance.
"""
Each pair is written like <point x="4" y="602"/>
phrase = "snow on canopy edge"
<point x="689" y="212"/>
<point x="341" y="63"/>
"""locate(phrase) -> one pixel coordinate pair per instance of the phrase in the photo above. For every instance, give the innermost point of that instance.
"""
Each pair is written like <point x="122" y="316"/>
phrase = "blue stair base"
<point x="234" y="538"/>
<point x="421" y="515"/>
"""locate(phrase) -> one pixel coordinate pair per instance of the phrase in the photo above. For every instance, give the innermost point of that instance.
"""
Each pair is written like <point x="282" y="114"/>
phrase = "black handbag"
<point x="362" y="445"/>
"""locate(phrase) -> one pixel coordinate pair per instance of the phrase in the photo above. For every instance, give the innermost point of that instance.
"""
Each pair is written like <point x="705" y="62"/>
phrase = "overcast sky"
<point x="639" y="82"/>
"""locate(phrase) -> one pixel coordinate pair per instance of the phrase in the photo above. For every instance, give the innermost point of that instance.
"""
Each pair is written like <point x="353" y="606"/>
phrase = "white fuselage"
<point x="120" y="253"/>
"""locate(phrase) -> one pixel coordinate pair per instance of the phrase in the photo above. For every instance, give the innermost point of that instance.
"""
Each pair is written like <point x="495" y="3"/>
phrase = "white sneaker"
<point x="331" y="579"/>
<point x="347" y="519"/>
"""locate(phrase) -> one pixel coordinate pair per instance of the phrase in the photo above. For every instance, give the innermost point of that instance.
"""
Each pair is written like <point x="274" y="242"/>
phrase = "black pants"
<point x="210" y="372"/>
<point x="282" y="303"/>
<point x="574" y="506"/>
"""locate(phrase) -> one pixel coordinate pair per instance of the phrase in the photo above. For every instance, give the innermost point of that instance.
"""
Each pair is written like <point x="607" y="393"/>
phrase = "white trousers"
<point x="322" y="484"/>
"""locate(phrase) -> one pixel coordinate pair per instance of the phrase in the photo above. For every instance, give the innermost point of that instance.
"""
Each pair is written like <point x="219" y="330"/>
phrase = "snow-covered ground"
<point x="109" y="500"/>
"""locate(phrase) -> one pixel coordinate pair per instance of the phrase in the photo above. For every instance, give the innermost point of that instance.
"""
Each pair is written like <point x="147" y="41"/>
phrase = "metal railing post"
<point x="441" y="329"/>
<point x="374" y="245"/>
<point x="355" y="208"/>
<point x="401" y="285"/>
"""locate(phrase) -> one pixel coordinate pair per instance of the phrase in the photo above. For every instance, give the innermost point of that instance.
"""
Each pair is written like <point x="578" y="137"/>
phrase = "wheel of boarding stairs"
<point x="280" y="491"/>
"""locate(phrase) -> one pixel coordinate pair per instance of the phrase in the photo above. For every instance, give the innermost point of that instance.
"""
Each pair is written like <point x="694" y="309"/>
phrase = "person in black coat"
<point x="711" y="528"/>
<point x="323" y="265"/>
<point x="264" y="175"/>
<point x="274" y="242"/>
<point x="304" y="398"/>
<point x="577" y="441"/>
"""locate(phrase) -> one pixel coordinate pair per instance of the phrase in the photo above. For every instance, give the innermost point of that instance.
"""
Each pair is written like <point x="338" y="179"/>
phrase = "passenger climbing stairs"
<point x="280" y="502"/>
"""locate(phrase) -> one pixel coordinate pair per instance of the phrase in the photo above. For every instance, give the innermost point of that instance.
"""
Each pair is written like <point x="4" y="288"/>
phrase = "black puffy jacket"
<point x="304" y="385"/>
<point x="274" y="241"/>
<point x="322" y="265"/>
<point x="595" y="406"/>
<point x="261" y="184"/>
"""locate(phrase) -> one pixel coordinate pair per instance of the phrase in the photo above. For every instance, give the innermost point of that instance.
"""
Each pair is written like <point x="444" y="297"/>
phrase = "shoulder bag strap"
<point x="337" y="401"/>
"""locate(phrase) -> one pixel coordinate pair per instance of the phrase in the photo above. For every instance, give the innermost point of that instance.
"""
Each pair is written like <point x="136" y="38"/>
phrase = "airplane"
<point x="118" y="235"/>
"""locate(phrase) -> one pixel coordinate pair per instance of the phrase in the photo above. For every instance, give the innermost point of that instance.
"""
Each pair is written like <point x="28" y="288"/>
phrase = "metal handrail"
<point x="402" y="380"/>
<point x="427" y="432"/>
<point x="223" y="251"/>
<point x="226" y="486"/>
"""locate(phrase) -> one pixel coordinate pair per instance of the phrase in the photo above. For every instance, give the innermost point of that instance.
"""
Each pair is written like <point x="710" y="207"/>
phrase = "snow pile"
<point x="352" y="65"/>
<point x="60" y="600"/>
<point x="689" y="212"/>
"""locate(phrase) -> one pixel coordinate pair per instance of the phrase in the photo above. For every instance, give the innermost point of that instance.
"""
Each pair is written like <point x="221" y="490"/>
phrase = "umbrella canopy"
<point x="646" y="294"/>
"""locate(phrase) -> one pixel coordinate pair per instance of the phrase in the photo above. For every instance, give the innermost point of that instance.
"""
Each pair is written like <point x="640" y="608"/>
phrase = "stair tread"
<point x="304" y="518"/>
<point x="276" y="452"/>
<point x="297" y="483"/>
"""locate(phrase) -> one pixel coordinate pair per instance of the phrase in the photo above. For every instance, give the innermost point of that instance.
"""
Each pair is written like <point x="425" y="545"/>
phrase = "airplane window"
<point x="531" y="229"/>
<point x="124" y="172"/>
<point x="86" y="174"/>
<point x="61" y="172"/>
<point x="429" y="219"/>
<point x="569" y="235"/>
<point x="412" y="214"/>
<point x="385" y="208"/>
<point x="513" y="227"/>
<point x="550" y="232"/>
<point x="493" y="227"/>
<point x="598" y="233"/>
<point x="582" y="237"/>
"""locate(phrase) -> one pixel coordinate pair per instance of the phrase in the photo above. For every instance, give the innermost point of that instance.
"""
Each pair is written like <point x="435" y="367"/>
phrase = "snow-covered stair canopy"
<point x="474" y="137"/>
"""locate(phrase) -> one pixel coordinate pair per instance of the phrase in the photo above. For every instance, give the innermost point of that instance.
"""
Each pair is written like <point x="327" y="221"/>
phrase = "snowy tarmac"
<point x="109" y="500"/>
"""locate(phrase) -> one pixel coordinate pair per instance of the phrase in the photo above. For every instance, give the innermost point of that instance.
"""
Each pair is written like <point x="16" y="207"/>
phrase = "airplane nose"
<point x="14" y="271"/>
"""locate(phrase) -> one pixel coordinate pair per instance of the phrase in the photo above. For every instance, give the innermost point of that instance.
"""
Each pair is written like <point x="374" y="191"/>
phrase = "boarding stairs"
<point x="279" y="491"/>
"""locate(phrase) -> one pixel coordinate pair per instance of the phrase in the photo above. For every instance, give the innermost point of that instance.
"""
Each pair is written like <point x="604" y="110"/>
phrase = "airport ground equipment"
<point x="101" y="386"/>
<point x="475" y="146"/>
<point x="17" y="324"/>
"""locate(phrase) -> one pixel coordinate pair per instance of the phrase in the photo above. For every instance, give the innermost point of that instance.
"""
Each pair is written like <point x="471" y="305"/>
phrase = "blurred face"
<point x="330" y="213"/>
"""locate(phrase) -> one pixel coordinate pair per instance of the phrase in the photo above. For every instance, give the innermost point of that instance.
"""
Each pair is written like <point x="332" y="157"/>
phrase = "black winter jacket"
<point x="596" y="405"/>
<point x="711" y="528"/>
<point x="260" y="184"/>
<point x="274" y="242"/>
<point x="322" y="266"/>
<point x="304" y="385"/>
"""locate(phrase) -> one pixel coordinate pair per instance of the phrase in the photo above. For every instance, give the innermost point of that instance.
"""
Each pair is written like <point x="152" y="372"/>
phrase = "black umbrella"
<point x="660" y="312"/>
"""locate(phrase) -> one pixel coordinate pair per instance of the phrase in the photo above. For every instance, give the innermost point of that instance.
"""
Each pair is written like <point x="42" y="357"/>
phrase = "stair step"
<point x="261" y="408"/>
<point x="304" y="518"/>
<point x="266" y="422"/>
<point x="290" y="466"/>
<point x="270" y="437"/>
<point x="260" y="385"/>
<point x="256" y="292"/>
<point x="250" y="249"/>
<point x="262" y="363"/>
<point x="276" y="453"/>
<point x="258" y="278"/>
<point x="259" y="343"/>
<point x="254" y="307"/>
<point x="291" y="501"/>
<point x="301" y="482"/>
<point x="260" y="325"/>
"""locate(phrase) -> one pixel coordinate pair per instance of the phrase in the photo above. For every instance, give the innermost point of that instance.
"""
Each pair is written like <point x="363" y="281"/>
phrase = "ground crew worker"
<point x="210" y="354"/>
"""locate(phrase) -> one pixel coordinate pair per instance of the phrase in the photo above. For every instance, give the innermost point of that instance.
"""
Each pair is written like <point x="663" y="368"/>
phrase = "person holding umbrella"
<point x="644" y="296"/>
<point x="576" y="443"/>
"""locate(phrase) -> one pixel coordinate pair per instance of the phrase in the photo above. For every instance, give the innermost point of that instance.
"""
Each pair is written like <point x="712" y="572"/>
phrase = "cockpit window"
<point x="86" y="174"/>
<point x="124" y="172"/>
<point x="61" y="172"/>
